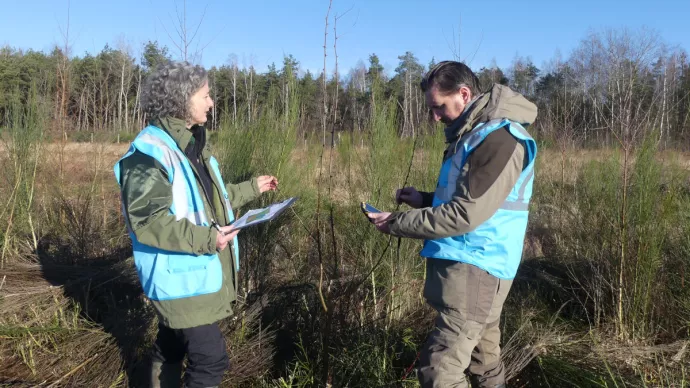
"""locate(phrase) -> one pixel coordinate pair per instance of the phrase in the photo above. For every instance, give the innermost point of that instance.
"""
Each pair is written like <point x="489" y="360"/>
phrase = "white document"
<point x="257" y="216"/>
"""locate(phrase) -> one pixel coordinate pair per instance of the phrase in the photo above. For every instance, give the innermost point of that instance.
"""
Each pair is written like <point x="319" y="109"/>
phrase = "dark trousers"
<point x="204" y="346"/>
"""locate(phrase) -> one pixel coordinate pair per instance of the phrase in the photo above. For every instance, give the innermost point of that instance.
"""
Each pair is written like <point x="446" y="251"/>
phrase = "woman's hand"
<point x="267" y="183"/>
<point x="223" y="238"/>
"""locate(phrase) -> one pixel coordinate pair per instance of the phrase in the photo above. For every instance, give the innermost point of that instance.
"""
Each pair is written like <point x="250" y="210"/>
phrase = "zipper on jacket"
<point x="214" y="224"/>
<point x="203" y="188"/>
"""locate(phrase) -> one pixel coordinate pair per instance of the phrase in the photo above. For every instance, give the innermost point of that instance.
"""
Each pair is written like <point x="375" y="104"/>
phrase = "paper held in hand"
<point x="257" y="216"/>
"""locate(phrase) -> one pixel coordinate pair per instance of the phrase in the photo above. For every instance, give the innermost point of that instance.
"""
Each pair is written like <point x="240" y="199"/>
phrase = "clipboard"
<point x="258" y="216"/>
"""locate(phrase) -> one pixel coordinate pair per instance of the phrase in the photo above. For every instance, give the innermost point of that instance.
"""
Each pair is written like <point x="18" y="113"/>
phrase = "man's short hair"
<point x="449" y="77"/>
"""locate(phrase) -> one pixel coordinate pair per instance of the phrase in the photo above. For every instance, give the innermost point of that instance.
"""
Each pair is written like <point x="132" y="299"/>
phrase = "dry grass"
<point x="83" y="157"/>
<point x="84" y="322"/>
<point x="45" y="339"/>
<point x="552" y="161"/>
<point x="90" y="326"/>
<point x="72" y="313"/>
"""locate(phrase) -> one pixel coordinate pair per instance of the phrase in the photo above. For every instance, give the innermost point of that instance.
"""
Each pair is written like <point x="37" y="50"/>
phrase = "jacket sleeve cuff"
<point x="397" y="225"/>
<point x="255" y="187"/>
<point x="212" y="241"/>
<point x="204" y="240"/>
<point x="427" y="198"/>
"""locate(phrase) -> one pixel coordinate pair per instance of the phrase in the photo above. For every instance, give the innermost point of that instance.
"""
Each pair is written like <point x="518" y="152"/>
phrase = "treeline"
<point x="616" y="86"/>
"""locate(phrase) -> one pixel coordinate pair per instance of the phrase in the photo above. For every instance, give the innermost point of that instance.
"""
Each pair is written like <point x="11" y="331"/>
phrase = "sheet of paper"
<point x="257" y="216"/>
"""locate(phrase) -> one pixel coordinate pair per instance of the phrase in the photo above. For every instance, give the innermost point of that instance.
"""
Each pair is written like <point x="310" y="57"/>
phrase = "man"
<point x="473" y="225"/>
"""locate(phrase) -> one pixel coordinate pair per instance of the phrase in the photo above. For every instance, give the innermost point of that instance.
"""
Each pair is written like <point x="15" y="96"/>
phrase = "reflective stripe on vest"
<point x="231" y="216"/>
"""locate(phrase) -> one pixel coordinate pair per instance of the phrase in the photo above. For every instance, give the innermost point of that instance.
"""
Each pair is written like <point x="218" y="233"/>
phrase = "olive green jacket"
<point x="147" y="198"/>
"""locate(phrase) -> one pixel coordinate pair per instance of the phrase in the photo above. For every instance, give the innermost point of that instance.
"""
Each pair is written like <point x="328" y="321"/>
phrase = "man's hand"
<point x="380" y="220"/>
<point x="267" y="182"/>
<point x="226" y="234"/>
<point x="410" y="196"/>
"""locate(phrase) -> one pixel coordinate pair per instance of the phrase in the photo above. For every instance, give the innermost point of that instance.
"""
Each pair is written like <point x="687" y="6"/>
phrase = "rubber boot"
<point x="165" y="375"/>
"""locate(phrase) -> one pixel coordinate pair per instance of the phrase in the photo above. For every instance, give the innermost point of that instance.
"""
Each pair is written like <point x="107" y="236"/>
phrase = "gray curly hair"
<point x="168" y="90"/>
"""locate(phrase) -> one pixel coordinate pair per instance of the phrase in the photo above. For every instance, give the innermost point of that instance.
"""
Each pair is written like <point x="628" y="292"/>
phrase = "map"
<point x="257" y="216"/>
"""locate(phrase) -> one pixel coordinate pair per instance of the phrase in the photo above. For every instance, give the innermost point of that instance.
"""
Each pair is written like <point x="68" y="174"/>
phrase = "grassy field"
<point x="600" y="299"/>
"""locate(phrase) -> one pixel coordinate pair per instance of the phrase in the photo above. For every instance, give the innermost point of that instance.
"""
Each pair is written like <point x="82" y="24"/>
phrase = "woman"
<point x="177" y="210"/>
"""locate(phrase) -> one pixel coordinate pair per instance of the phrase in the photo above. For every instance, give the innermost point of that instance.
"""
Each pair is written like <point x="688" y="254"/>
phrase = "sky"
<point x="260" y="32"/>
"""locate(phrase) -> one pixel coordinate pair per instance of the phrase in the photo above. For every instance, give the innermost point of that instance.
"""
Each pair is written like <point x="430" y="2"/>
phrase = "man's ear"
<point x="466" y="94"/>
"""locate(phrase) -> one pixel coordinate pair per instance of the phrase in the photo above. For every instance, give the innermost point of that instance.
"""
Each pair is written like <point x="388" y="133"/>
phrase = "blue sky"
<point x="262" y="31"/>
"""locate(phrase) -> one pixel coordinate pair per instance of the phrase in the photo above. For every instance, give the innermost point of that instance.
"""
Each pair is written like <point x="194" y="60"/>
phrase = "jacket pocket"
<point x="176" y="276"/>
<point x="182" y="264"/>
